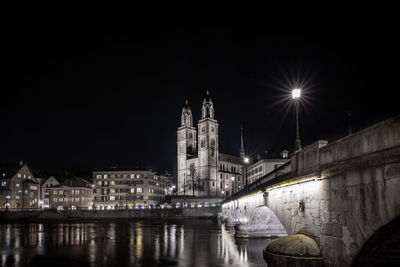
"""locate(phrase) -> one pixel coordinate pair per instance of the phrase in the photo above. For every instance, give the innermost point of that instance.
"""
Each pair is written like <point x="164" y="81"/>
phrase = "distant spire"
<point x="207" y="92"/>
<point x="241" y="142"/>
<point x="186" y="102"/>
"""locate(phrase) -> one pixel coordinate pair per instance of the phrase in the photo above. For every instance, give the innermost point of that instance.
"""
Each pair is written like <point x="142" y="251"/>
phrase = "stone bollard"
<point x="293" y="250"/>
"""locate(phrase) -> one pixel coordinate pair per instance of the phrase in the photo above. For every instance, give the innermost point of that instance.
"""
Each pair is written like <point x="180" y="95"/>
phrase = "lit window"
<point x="3" y="183"/>
<point x="105" y="176"/>
<point x="54" y="192"/>
<point x="19" y="175"/>
<point x="16" y="197"/>
<point x="60" y="192"/>
<point x="29" y="177"/>
<point x="112" y="182"/>
<point x="55" y="199"/>
<point x="65" y="199"/>
<point x="105" y="183"/>
<point x="33" y="187"/>
<point x="4" y="174"/>
<point x="98" y="176"/>
<point x="24" y="175"/>
<point x="17" y="185"/>
<point x="8" y="197"/>
<point x="137" y="175"/>
<point x="132" y="175"/>
<point x="99" y="182"/>
<point x="132" y="190"/>
<point x="77" y="192"/>
<point x="60" y="199"/>
<point x="125" y="176"/>
<point x="72" y="192"/>
<point x="112" y="197"/>
<point x="77" y="199"/>
<point x="112" y="190"/>
<point x="139" y="190"/>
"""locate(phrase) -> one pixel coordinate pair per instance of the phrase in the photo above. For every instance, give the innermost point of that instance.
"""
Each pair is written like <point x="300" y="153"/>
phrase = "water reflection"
<point x="136" y="243"/>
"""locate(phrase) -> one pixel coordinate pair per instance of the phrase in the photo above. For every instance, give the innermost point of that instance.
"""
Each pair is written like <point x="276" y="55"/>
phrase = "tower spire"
<point x="241" y="142"/>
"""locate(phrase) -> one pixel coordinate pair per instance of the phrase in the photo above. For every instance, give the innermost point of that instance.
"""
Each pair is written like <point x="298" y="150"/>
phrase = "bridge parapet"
<point x="319" y="155"/>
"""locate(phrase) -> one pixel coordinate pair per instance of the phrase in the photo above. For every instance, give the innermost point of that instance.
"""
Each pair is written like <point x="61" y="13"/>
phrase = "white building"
<point x="46" y="191"/>
<point x="200" y="164"/>
<point x="266" y="164"/>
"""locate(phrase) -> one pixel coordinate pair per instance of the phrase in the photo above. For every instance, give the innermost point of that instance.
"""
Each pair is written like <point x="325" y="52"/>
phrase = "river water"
<point x="127" y="243"/>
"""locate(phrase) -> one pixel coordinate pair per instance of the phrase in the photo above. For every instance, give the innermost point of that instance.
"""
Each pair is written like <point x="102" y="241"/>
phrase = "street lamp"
<point x="296" y="96"/>
<point x="246" y="162"/>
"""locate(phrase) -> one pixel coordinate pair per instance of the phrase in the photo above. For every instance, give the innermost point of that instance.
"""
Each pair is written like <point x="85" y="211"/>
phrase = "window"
<point x="24" y="175"/>
<point x="19" y="175"/>
<point x="212" y="129"/>
<point x="112" y="182"/>
<point x="55" y="199"/>
<point x="8" y="197"/>
<point x="137" y="175"/>
<point x="3" y="183"/>
<point x="203" y="129"/>
<point x="77" y="192"/>
<point x="77" y="199"/>
<point x="112" y="190"/>
<point x="17" y="185"/>
<point x="54" y="192"/>
<point x="132" y="175"/>
<point x="60" y="199"/>
<point x="203" y="142"/>
<point x="260" y="168"/>
<point x="139" y="190"/>
<point x="132" y="190"/>
<point x="29" y="177"/>
<point x="190" y="135"/>
<point x="4" y="174"/>
<point x="112" y="197"/>
<point x="72" y="192"/>
<point x="65" y="199"/>
<point x="33" y="187"/>
<point x="112" y="175"/>
<point x="98" y="176"/>
<point x="16" y="197"/>
<point x="105" y="183"/>
<point x="60" y="192"/>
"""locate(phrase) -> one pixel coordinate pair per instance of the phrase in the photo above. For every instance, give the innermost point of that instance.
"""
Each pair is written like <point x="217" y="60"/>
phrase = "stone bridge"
<point x="349" y="191"/>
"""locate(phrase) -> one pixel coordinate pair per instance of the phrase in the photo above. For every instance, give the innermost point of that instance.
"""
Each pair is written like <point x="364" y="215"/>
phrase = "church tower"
<point x="186" y="145"/>
<point x="208" y="148"/>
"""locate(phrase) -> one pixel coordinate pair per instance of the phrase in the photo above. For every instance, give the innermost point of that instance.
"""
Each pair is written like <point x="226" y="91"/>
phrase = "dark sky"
<point x="83" y="91"/>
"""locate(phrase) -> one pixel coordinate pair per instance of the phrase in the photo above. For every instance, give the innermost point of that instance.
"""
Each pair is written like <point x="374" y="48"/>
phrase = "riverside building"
<point x="73" y="193"/>
<point x="127" y="188"/>
<point x="18" y="187"/>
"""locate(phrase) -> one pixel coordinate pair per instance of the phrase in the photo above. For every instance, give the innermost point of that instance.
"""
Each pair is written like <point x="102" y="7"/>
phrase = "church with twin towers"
<point x="200" y="164"/>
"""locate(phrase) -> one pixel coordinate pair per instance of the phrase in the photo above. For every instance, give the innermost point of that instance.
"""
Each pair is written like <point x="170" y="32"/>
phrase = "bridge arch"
<point x="382" y="248"/>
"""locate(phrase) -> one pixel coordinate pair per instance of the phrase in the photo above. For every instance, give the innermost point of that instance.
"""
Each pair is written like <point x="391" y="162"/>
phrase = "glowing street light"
<point x="296" y="96"/>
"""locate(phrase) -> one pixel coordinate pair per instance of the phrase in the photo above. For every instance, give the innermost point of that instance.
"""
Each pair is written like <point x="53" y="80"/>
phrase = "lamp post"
<point x="246" y="162"/>
<point x="296" y="96"/>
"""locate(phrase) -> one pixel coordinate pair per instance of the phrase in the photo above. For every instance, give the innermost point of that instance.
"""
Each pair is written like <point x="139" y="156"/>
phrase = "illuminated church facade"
<point x="200" y="164"/>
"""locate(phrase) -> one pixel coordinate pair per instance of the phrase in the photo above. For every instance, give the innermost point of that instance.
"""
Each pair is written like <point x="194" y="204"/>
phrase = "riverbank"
<point x="78" y="215"/>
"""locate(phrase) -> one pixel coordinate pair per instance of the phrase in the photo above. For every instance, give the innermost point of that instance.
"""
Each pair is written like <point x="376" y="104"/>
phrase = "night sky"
<point x="83" y="91"/>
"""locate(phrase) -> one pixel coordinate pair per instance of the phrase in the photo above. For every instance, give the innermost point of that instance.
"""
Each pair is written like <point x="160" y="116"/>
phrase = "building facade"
<point x="18" y="186"/>
<point x="46" y="191"/>
<point x="73" y="193"/>
<point x="202" y="170"/>
<point x="127" y="188"/>
<point x="266" y="164"/>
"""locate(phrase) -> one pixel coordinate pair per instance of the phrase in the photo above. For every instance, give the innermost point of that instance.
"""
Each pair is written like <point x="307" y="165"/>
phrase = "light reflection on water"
<point x="120" y="243"/>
